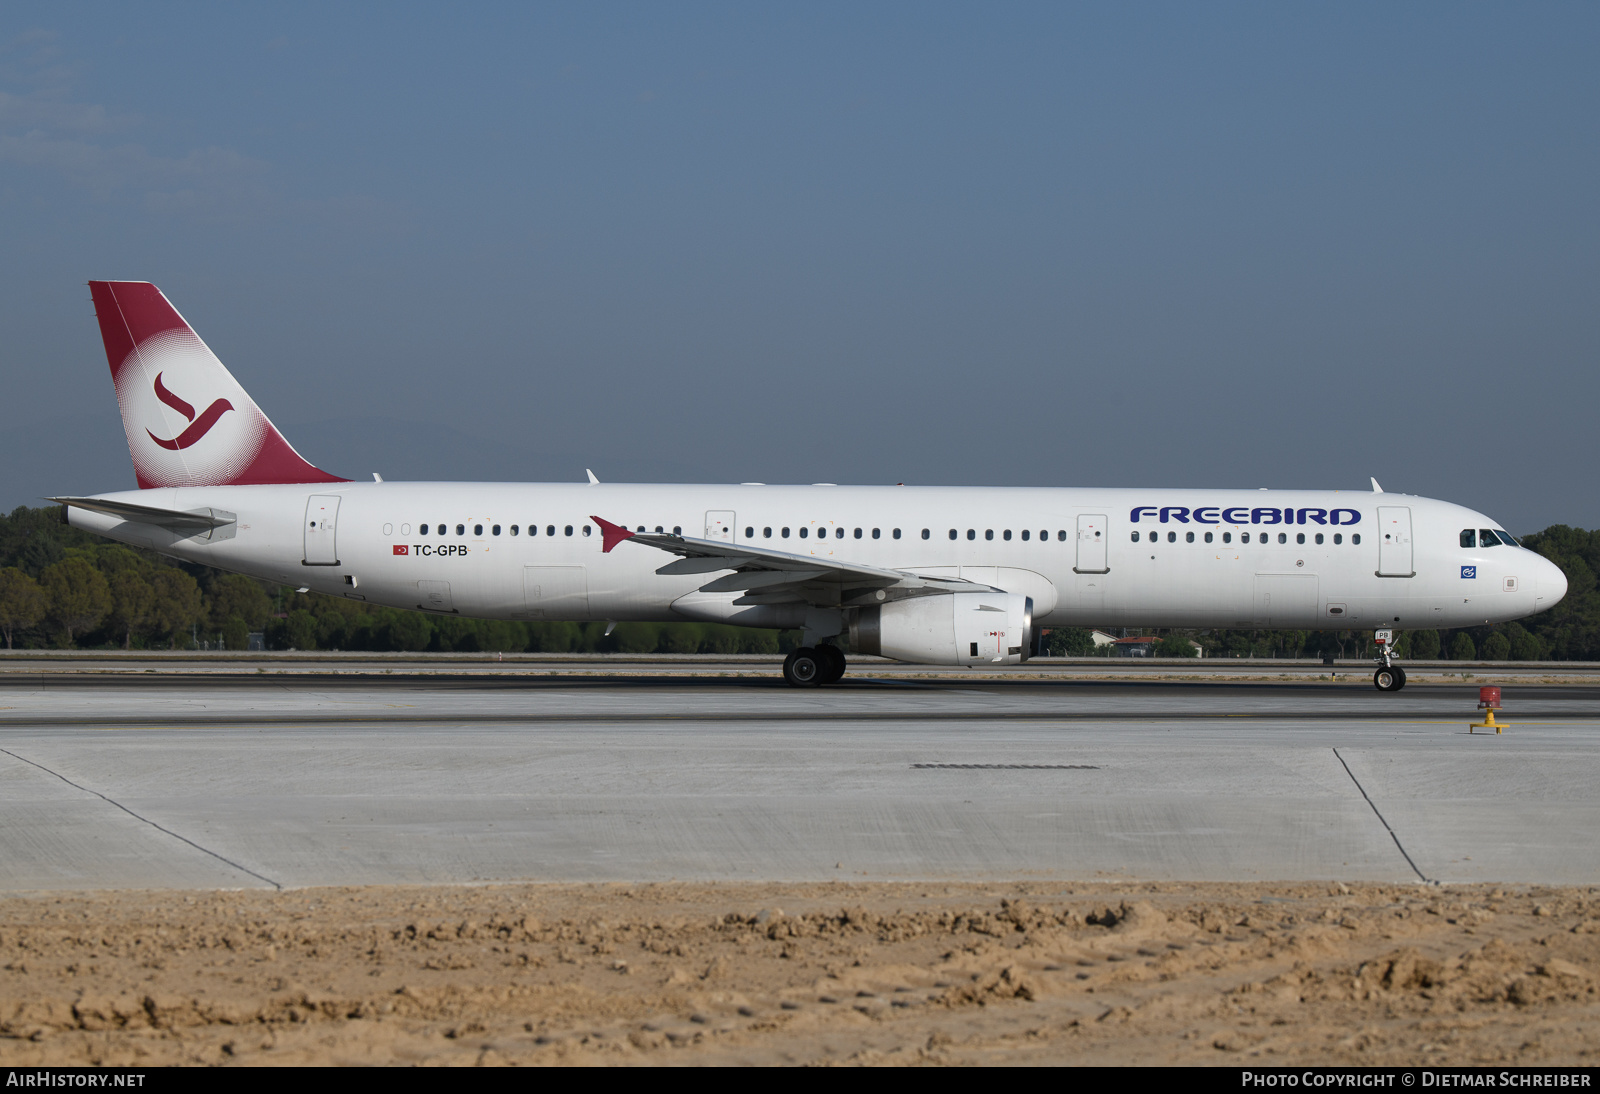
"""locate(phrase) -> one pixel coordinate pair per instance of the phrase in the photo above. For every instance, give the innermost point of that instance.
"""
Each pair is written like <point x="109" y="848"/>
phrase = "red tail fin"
<point x="188" y="421"/>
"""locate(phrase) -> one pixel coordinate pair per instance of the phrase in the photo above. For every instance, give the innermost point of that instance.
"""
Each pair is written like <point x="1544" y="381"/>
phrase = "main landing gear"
<point x="811" y="666"/>
<point x="1389" y="677"/>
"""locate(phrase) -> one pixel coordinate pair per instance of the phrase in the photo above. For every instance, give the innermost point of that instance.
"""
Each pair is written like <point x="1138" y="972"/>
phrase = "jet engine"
<point x="948" y="629"/>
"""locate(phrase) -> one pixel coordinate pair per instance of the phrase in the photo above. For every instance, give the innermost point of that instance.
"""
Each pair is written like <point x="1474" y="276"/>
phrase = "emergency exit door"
<point x="719" y="525"/>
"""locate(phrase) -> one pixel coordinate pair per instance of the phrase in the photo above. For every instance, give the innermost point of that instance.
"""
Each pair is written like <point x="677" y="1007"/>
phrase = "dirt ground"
<point x="804" y="974"/>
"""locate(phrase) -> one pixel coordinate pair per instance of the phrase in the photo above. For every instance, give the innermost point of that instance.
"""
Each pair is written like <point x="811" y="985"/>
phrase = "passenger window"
<point x="1319" y="539"/>
<point x="1208" y="537"/>
<point x="1244" y="537"/>
<point x="1486" y="538"/>
<point x="897" y="534"/>
<point x="549" y="529"/>
<point x="749" y="532"/>
<point x="1062" y="535"/>
<point x="1006" y="534"/>
<point x="405" y="529"/>
<point x="988" y="534"/>
<point x="477" y="529"/>
<point x="838" y="533"/>
<point x="1135" y="536"/>
<point x="1299" y="537"/>
<point x="766" y="533"/>
<point x="513" y="529"/>
<point x="972" y="533"/>
<point x="924" y="533"/>
<point x="423" y="530"/>
<point x="569" y="529"/>
<point x="1025" y="534"/>
<point x="784" y="533"/>
<point x="659" y="529"/>
<point x="1188" y="537"/>
<point x="1227" y="537"/>
<point x="677" y="529"/>
<point x="1356" y="538"/>
<point x="495" y="529"/>
<point x="1172" y="537"/>
<point x="877" y="533"/>
<point x="804" y="533"/>
<point x="858" y="533"/>
<point x="461" y="529"/>
<point x="588" y="529"/>
<point x="533" y="529"/>
<point x="953" y="533"/>
<point x="1469" y="538"/>
<point x="1337" y="538"/>
<point x="1283" y="537"/>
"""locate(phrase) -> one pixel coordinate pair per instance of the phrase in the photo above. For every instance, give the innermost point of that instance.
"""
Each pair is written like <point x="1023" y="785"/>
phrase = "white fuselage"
<point x="1072" y="550"/>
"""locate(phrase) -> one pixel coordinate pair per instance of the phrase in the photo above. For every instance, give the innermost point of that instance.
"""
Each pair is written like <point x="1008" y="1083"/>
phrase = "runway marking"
<point x="1013" y="767"/>
<point x="1392" y="833"/>
<point x="145" y="820"/>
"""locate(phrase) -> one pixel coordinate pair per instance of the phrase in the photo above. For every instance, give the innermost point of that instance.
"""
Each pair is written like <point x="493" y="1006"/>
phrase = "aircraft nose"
<point x="1552" y="585"/>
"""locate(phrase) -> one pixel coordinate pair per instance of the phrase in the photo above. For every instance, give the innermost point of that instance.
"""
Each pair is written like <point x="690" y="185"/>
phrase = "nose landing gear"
<point x="1389" y="677"/>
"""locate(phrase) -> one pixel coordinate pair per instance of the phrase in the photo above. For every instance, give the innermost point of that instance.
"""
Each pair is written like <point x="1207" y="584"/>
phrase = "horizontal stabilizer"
<point x="178" y="520"/>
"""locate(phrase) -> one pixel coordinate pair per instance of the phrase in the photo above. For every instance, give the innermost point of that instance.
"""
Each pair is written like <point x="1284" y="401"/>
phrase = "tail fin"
<point x="188" y="421"/>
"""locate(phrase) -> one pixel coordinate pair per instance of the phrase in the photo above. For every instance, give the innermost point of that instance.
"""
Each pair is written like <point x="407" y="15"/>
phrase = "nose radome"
<point x="1552" y="584"/>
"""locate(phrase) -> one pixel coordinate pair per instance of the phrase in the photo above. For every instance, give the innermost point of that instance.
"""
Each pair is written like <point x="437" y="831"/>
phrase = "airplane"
<point x="929" y="575"/>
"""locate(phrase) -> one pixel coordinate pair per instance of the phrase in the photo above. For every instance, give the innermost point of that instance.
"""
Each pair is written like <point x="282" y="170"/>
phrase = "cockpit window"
<point x="1506" y="538"/>
<point x="1469" y="537"/>
<point x="1486" y="538"/>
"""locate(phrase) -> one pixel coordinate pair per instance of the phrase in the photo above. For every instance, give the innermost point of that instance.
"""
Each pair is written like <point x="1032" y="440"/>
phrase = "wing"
<point x="766" y="576"/>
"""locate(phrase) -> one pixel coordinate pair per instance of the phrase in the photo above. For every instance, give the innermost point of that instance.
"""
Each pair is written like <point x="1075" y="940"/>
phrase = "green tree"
<point x="1462" y="647"/>
<point x="177" y="606"/>
<point x="1176" y="645"/>
<point x="234" y="595"/>
<point x="22" y="602"/>
<point x="1424" y="645"/>
<point x="132" y="602"/>
<point x="409" y="631"/>
<point x="77" y="597"/>
<point x="302" y="630"/>
<point x="1497" y="647"/>
<point x="1068" y="642"/>
<point x="236" y="634"/>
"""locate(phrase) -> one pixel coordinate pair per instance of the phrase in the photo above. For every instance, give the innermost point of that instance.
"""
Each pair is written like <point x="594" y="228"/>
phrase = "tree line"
<point x="63" y="588"/>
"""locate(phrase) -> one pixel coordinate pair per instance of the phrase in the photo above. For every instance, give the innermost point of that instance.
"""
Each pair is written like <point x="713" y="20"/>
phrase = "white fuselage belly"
<point x="1150" y="583"/>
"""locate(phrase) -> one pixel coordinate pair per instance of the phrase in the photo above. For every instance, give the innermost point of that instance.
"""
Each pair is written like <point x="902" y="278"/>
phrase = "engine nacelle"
<point x="948" y="629"/>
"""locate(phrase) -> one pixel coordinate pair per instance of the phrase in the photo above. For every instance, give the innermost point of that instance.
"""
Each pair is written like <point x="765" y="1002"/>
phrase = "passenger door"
<point x="322" y="525"/>
<point x="1394" y="542"/>
<point x="1092" y="539"/>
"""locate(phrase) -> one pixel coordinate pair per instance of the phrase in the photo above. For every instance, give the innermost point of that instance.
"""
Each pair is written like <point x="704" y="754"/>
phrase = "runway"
<point x="228" y="779"/>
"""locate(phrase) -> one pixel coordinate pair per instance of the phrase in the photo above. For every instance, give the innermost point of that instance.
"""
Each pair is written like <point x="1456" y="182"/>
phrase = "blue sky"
<point x="1159" y="244"/>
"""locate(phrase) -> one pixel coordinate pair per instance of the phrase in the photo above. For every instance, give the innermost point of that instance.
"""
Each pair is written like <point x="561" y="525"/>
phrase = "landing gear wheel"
<point x="803" y="668"/>
<point x="1390" y="679"/>
<point x="833" y="664"/>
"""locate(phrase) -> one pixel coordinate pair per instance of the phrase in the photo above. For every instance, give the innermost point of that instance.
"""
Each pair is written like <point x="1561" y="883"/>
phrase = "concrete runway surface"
<point x="231" y="779"/>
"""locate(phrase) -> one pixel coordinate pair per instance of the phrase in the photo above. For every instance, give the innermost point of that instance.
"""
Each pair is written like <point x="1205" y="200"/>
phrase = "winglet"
<point x="1376" y="489"/>
<point x="612" y="534"/>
